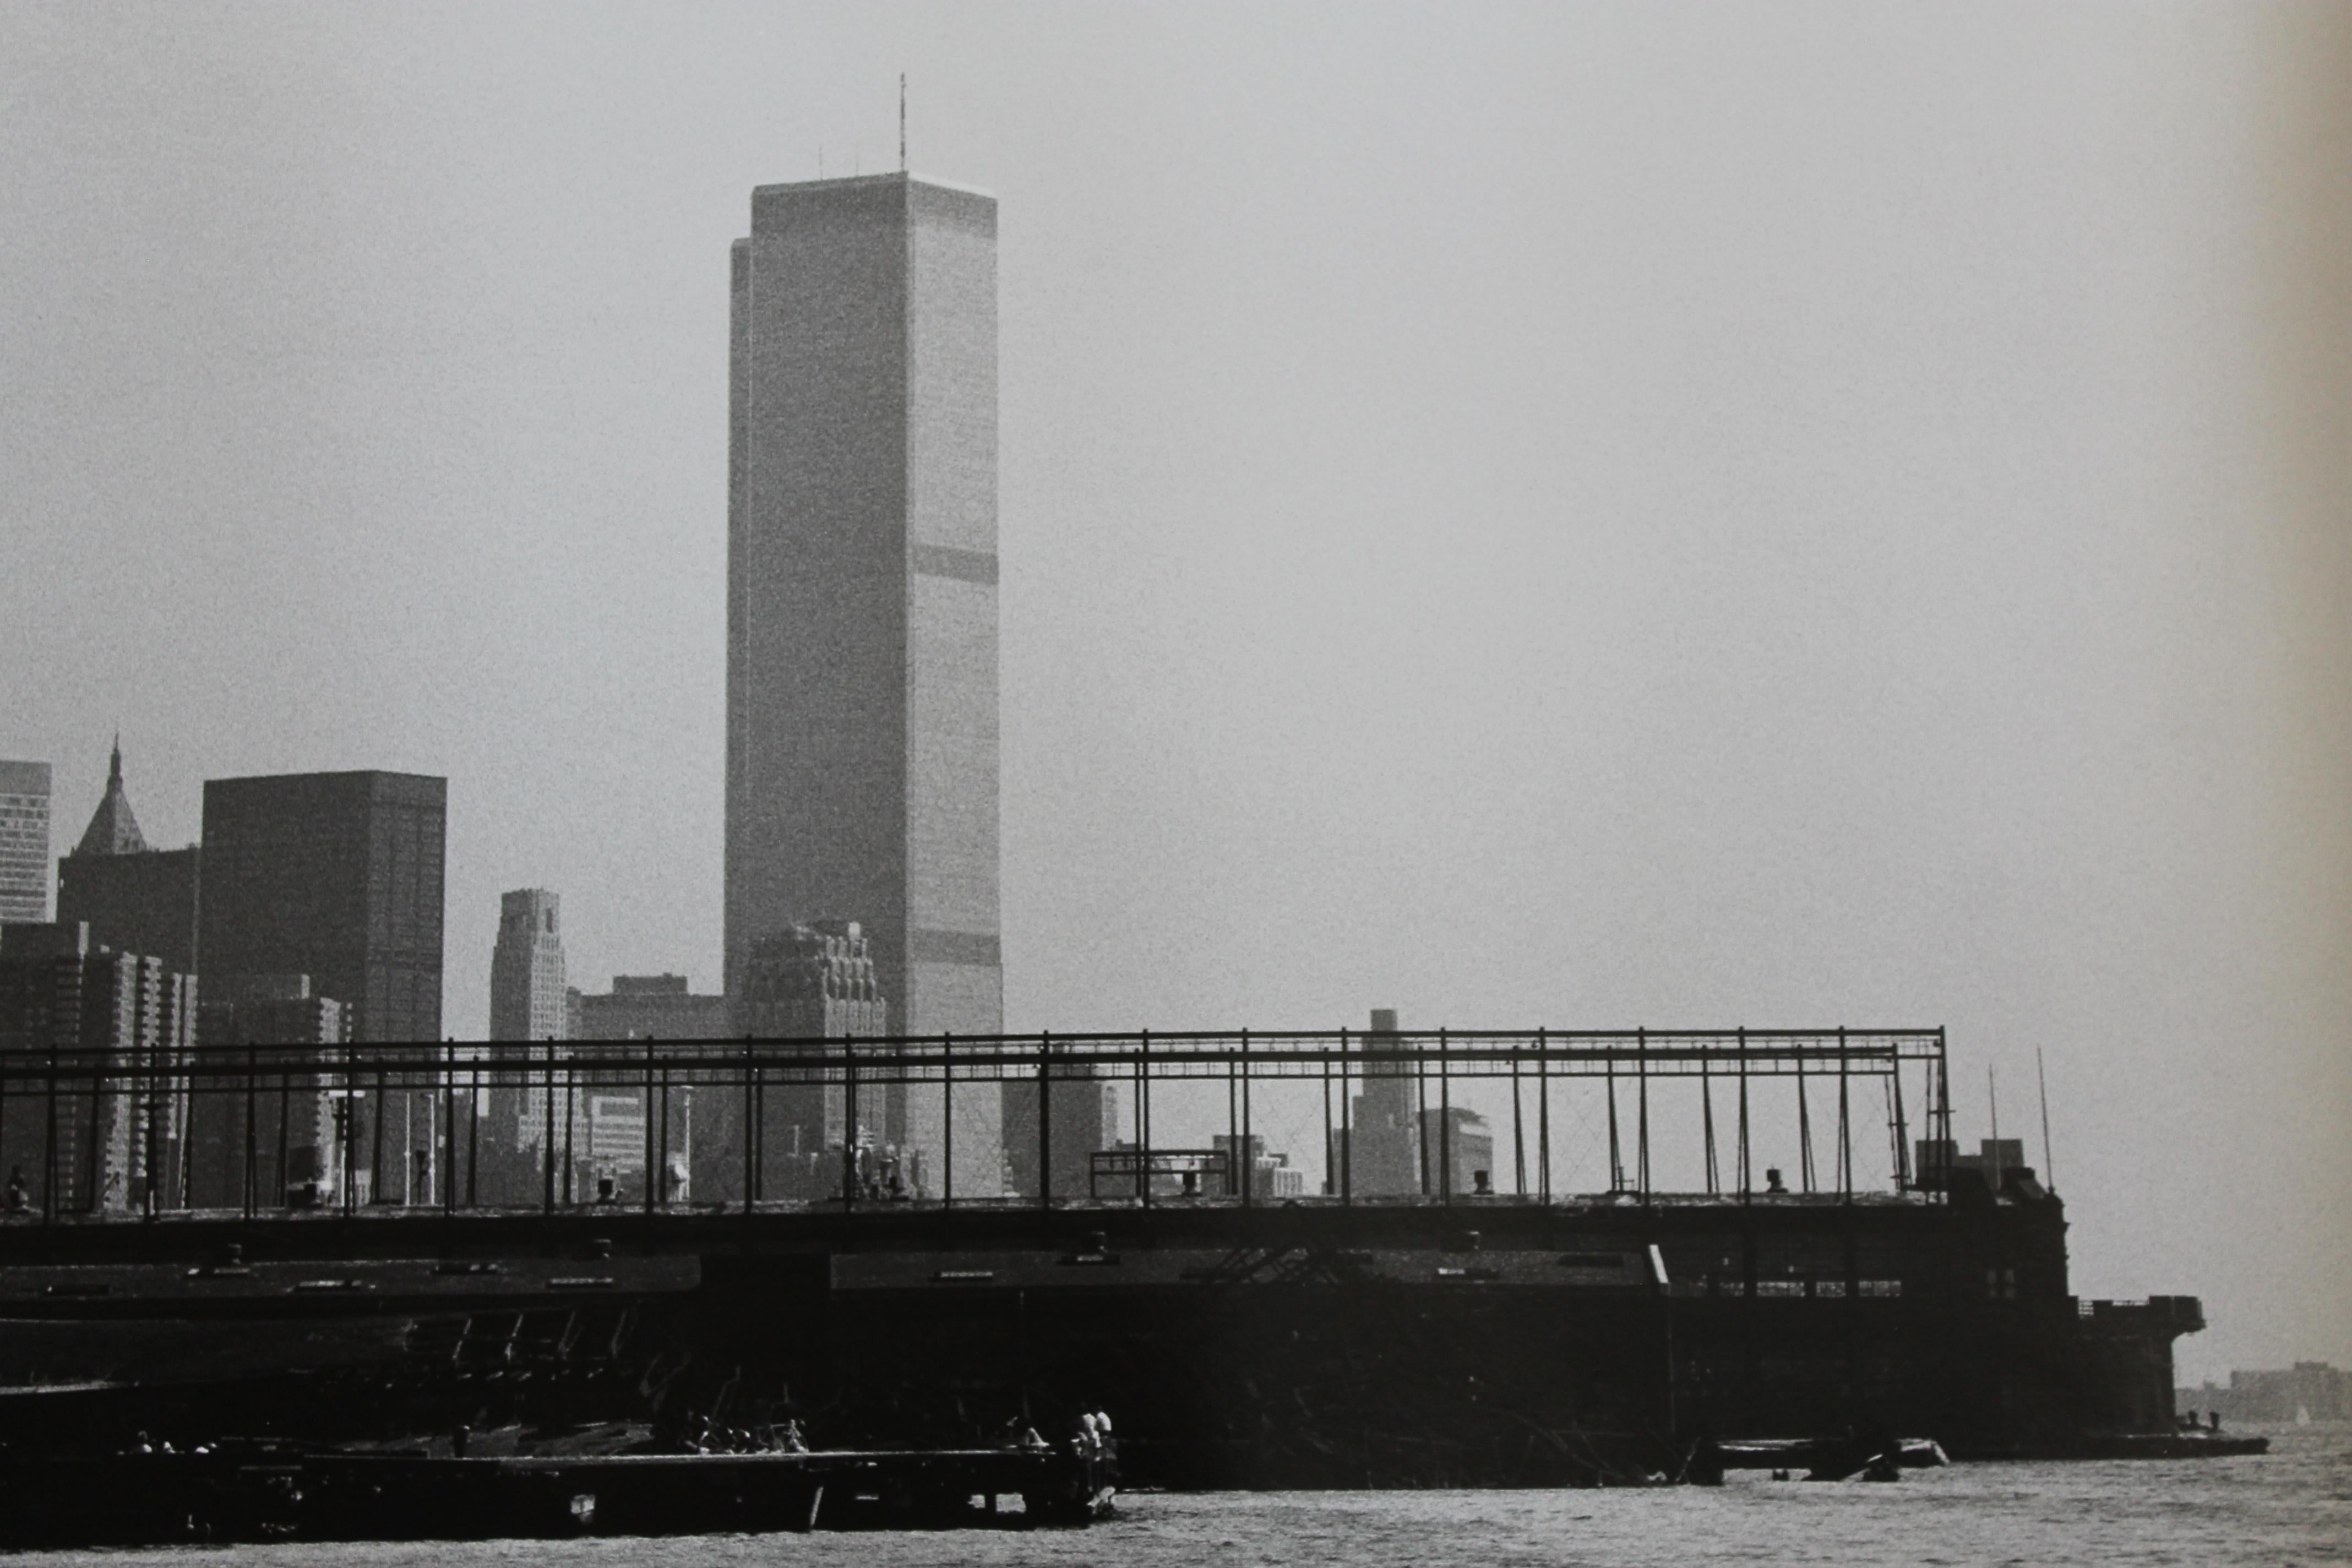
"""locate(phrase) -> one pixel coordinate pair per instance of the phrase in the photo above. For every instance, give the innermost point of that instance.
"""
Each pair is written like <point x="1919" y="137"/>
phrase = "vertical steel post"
<point x="474" y="1135"/>
<point x="1248" y="1149"/>
<point x="653" y="1171"/>
<point x="1233" y="1131"/>
<point x="251" y="1177"/>
<point x="1744" y="1176"/>
<point x="449" y="1127"/>
<point x="153" y="1098"/>
<point x="1543" y="1114"/>
<point x="849" y="1126"/>
<point x="570" y="1110"/>
<point x="350" y="1130"/>
<point x="1347" y="1129"/>
<point x="1143" y="1120"/>
<point x="1444" y="1122"/>
<point x="748" y="1180"/>
<point x="1706" y="1120"/>
<point x="1641" y="1111"/>
<point x="1518" y="1136"/>
<point x="1616" y="1156"/>
<point x="947" y="1121"/>
<point x="1845" y="1140"/>
<point x="375" y="1141"/>
<point x="1902" y="1131"/>
<point x="1420" y="1118"/>
<point x="1331" y="1164"/>
<point x="1804" y="1127"/>
<point x="547" y="1134"/>
<point x="1044" y="1120"/>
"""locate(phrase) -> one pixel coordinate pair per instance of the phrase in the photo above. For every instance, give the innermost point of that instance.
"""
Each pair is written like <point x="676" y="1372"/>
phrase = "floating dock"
<point x="247" y="1492"/>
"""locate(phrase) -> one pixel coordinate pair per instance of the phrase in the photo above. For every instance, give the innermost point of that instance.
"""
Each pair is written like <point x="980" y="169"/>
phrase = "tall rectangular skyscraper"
<point x="335" y="876"/>
<point x="24" y="841"/>
<point x="861" y="670"/>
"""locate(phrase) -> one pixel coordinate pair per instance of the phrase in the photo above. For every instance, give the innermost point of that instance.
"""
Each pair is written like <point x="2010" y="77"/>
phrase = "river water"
<point x="2291" y="1506"/>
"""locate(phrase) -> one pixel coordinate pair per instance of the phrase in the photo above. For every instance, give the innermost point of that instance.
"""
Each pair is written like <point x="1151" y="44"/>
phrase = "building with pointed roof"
<point x="112" y="829"/>
<point x="132" y="898"/>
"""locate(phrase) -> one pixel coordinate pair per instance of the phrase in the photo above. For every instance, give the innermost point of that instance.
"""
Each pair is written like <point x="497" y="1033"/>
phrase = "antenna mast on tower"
<point x="902" y="122"/>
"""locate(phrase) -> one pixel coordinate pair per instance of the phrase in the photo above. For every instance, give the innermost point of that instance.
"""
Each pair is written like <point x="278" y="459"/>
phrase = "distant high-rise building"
<point x="1269" y="1171"/>
<point x="134" y="898"/>
<point x="528" y="999"/>
<point x="1460" y="1149"/>
<point x="647" y="1007"/>
<point x="293" y="1150"/>
<point x="1380" y="1156"/>
<point x="1084" y="1120"/>
<point x="335" y="876"/>
<point x="116" y="1146"/>
<point x="812" y="983"/>
<point x="590" y="1127"/>
<point x="862" y="578"/>
<point x="25" y="842"/>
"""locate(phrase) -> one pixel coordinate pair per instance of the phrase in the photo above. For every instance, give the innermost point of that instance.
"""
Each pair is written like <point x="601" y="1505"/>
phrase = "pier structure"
<point x="1869" y="1110"/>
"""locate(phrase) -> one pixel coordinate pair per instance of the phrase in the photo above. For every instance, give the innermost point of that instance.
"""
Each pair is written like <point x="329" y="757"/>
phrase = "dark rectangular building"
<point x="335" y="876"/>
<point x="143" y="903"/>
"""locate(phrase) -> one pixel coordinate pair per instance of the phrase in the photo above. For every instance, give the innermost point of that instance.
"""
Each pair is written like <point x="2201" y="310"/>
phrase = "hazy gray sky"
<point x="1587" y="516"/>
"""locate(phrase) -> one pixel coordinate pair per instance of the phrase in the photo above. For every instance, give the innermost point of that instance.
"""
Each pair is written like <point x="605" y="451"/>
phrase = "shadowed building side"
<point x="862" y="575"/>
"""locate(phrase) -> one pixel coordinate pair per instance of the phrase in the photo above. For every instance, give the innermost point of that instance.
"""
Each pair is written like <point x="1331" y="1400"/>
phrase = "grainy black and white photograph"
<point x="1023" y="782"/>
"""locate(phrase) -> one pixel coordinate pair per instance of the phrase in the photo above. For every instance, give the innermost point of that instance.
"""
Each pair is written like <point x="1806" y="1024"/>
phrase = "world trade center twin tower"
<point x="861" y="617"/>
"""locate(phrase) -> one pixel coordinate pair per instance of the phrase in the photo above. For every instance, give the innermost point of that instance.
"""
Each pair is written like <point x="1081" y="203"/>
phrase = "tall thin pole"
<point x="1745" y="1178"/>
<point x="848" y="1125"/>
<point x="1616" y="1158"/>
<point x="1444" y="1122"/>
<point x="1543" y="1115"/>
<point x="1249" y="1150"/>
<point x="1641" y="1101"/>
<point x="2041" y="1081"/>
<point x="547" y="1135"/>
<point x="251" y="1178"/>
<point x="1421" y="1118"/>
<point x="571" y="1106"/>
<point x="1901" y="1130"/>
<point x="1845" y="1132"/>
<point x="1044" y="1121"/>
<point x="1347" y="1129"/>
<point x="350" y="1132"/>
<point x="1519" y="1137"/>
<point x="902" y="122"/>
<point x="1992" y="1096"/>
<point x="449" y="1127"/>
<point x="653" y="1171"/>
<point x="947" y="1121"/>
<point x="1330" y="1165"/>
<point x="1804" y="1129"/>
<point x="375" y="1143"/>
<point x="474" y="1137"/>
<point x="1706" y="1121"/>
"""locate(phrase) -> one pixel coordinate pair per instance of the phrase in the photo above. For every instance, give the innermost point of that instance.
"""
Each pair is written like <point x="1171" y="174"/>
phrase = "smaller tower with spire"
<point x="136" y="899"/>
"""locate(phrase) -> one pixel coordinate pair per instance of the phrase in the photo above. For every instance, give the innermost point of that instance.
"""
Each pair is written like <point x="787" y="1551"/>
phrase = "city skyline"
<point x="1566" y="517"/>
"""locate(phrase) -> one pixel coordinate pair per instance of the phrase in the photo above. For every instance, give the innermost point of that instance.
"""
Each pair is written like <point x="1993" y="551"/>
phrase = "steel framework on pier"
<point x="159" y="1091"/>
